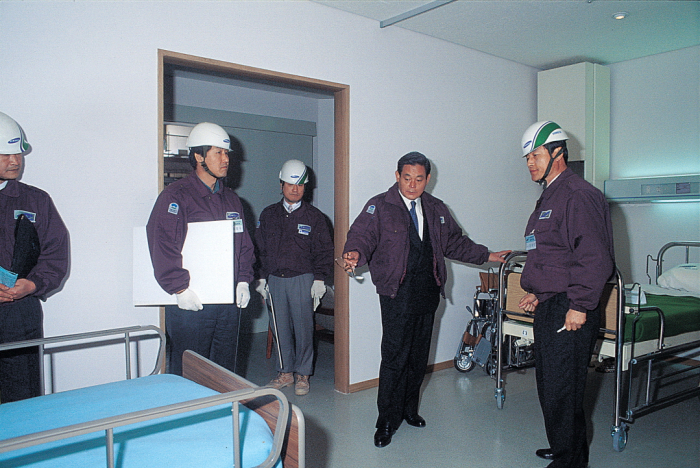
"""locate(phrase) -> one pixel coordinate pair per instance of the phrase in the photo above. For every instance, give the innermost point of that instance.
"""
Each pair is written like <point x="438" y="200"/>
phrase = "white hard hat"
<point x="294" y="172"/>
<point x="541" y="133"/>
<point x="12" y="138"/>
<point x="208" y="134"/>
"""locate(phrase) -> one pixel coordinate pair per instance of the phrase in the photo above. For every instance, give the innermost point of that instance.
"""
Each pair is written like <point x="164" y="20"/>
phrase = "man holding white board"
<point x="212" y="329"/>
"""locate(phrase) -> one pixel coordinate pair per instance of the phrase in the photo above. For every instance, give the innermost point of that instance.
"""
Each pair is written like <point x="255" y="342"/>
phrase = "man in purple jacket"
<point x="210" y="330"/>
<point x="570" y="257"/>
<point x="405" y="235"/>
<point x="21" y="316"/>
<point x="295" y="248"/>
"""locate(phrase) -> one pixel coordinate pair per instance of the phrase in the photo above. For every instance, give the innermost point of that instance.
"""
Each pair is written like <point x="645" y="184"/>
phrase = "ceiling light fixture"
<point x="620" y="15"/>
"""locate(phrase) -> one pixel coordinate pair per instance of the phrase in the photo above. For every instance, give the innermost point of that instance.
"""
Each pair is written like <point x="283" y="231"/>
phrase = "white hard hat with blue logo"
<point x="12" y="137"/>
<point x="294" y="172"/>
<point x="209" y="134"/>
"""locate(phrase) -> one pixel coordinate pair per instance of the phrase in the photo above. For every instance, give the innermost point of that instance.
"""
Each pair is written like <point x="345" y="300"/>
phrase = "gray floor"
<point x="464" y="427"/>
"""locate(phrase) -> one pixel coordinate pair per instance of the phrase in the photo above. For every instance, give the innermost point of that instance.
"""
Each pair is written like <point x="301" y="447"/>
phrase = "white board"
<point x="207" y="254"/>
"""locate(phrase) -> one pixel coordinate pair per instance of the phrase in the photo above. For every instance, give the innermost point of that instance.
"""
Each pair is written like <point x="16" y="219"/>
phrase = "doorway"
<point x="341" y="98"/>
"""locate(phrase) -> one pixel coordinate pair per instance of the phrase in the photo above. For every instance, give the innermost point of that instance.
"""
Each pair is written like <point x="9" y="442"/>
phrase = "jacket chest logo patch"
<point x="304" y="229"/>
<point x="173" y="208"/>
<point x="546" y="214"/>
<point x="233" y="215"/>
<point x="370" y="209"/>
<point x="442" y="220"/>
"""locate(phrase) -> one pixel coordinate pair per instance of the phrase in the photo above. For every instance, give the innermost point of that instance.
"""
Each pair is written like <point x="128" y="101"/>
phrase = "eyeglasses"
<point x="340" y="261"/>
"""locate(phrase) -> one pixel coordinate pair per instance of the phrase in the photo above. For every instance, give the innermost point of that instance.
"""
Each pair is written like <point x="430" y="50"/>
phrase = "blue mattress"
<point x="200" y="438"/>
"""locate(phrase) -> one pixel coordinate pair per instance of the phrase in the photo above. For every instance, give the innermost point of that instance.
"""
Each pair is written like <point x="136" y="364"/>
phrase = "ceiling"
<point x="545" y="33"/>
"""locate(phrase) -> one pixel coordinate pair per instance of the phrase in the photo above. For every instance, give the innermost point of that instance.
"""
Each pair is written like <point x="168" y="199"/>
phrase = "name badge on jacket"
<point x="29" y="215"/>
<point x="530" y="243"/>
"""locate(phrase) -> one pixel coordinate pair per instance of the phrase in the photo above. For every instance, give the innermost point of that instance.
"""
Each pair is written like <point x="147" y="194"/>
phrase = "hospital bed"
<point x="209" y="417"/>
<point x="653" y="335"/>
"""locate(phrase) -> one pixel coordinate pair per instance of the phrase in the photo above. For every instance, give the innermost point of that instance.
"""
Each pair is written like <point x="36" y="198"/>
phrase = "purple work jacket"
<point x="189" y="200"/>
<point x="296" y="243"/>
<point x="573" y="243"/>
<point x="380" y="235"/>
<point x="52" y="264"/>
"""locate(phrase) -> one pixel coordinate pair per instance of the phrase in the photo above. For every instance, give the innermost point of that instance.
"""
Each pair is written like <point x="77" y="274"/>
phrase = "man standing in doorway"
<point x="210" y="330"/>
<point x="404" y="235"/>
<point x="34" y="252"/>
<point x="570" y="257"/>
<point x="295" y="248"/>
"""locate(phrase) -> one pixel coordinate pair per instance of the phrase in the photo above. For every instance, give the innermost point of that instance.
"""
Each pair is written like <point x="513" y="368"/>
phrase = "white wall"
<point x="654" y="131"/>
<point x="81" y="77"/>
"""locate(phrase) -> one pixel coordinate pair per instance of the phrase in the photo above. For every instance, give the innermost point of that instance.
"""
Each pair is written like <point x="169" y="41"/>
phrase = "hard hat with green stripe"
<point x="541" y="133"/>
<point x="294" y="172"/>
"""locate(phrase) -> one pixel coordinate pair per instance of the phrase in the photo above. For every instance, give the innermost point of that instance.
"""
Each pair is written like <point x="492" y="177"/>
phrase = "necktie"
<point x="413" y="214"/>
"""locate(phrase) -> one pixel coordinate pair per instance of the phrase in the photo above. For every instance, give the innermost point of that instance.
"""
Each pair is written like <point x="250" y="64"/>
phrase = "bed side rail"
<point x="129" y="335"/>
<point x="109" y="424"/>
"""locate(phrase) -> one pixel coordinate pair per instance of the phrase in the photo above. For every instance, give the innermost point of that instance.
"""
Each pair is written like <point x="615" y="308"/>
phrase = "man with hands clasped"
<point x="210" y="330"/>
<point x="295" y="249"/>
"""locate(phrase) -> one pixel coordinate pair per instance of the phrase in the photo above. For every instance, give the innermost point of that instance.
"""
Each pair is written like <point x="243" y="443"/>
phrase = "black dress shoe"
<point x="415" y="420"/>
<point x="382" y="437"/>
<point x="546" y="454"/>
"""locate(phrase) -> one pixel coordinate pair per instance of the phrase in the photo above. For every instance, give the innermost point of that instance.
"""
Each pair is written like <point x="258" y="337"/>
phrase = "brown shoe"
<point x="302" y="385"/>
<point x="283" y="379"/>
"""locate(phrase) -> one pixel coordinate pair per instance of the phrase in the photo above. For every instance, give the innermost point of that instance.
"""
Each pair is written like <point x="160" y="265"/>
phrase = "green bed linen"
<point x="682" y="316"/>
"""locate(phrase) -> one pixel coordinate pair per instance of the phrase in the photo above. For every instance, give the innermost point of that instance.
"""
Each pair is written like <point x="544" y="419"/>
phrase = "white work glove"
<point x="261" y="288"/>
<point x="318" y="289"/>
<point x="242" y="295"/>
<point x="188" y="300"/>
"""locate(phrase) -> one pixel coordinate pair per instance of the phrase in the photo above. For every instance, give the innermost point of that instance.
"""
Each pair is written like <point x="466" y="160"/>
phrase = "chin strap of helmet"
<point x="206" y="168"/>
<point x="543" y="180"/>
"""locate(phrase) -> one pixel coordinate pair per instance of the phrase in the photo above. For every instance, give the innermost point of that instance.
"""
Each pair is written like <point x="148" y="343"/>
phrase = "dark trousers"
<point x="211" y="332"/>
<point x="405" y="348"/>
<point x="20" y="368"/>
<point x="561" y="360"/>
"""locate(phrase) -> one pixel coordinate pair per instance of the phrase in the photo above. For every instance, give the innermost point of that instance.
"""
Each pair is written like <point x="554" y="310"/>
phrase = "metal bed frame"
<point x="130" y="334"/>
<point x="629" y="361"/>
<point x="620" y="427"/>
<point x="200" y="367"/>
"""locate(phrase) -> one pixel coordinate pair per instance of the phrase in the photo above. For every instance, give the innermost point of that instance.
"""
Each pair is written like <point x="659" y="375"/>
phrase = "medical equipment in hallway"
<point x="478" y="345"/>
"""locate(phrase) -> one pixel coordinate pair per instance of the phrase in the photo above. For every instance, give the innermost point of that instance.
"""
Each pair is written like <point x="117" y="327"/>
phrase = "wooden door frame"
<point x="341" y="95"/>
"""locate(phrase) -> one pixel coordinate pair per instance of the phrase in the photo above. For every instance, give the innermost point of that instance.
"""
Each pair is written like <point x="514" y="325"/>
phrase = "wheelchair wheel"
<point x="463" y="360"/>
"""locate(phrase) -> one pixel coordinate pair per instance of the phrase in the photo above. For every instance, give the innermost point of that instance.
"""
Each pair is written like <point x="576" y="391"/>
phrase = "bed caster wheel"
<point x="619" y="435"/>
<point x="464" y="362"/>
<point x="500" y="396"/>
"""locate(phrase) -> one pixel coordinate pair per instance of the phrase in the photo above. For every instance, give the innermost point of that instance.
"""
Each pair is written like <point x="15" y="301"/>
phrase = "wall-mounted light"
<point x="654" y="189"/>
<point x="620" y="15"/>
<point x="687" y="200"/>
